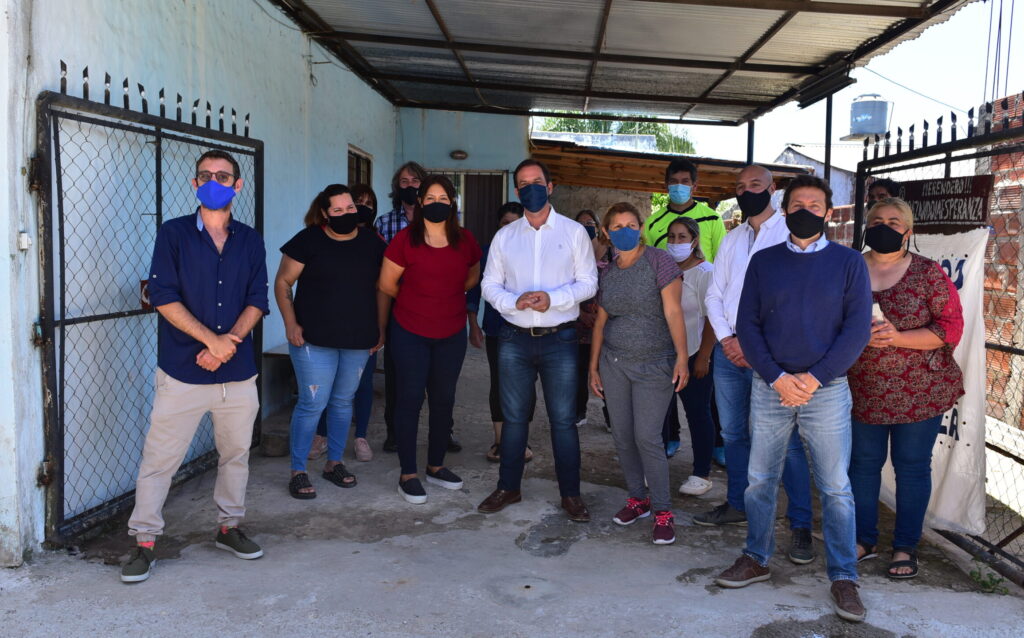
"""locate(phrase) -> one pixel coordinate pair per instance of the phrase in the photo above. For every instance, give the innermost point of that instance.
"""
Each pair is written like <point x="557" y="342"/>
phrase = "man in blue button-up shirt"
<point x="208" y="282"/>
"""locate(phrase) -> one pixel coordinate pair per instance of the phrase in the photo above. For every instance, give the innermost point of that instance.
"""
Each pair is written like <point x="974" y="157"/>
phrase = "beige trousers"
<point x="177" y="411"/>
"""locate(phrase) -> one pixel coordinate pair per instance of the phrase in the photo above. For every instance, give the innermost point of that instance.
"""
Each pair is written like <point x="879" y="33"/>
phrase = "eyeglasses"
<point x="223" y="177"/>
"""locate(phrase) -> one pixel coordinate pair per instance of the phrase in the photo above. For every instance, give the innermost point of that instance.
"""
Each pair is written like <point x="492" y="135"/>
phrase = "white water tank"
<point x="869" y="115"/>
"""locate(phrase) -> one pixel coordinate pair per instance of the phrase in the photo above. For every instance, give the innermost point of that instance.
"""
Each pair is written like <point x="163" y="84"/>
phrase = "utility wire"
<point x="904" y="86"/>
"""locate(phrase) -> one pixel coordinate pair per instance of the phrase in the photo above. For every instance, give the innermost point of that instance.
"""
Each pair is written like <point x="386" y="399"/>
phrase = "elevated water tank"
<point x="869" y="115"/>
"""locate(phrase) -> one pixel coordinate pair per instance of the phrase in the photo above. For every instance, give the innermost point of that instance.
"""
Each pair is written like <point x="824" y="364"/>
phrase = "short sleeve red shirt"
<point x="432" y="293"/>
<point x="900" y="385"/>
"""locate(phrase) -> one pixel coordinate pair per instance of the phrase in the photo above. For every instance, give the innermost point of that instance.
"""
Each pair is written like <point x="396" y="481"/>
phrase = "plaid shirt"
<point x="388" y="225"/>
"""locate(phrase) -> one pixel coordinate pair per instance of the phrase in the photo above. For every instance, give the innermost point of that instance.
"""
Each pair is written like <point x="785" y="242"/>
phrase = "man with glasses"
<point x="208" y="283"/>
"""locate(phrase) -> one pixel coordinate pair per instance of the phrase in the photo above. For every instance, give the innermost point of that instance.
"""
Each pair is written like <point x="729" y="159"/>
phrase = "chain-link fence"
<point x="994" y="146"/>
<point x="114" y="177"/>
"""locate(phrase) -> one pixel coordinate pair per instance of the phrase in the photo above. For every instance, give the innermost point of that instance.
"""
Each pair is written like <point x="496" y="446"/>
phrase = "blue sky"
<point x="946" y="63"/>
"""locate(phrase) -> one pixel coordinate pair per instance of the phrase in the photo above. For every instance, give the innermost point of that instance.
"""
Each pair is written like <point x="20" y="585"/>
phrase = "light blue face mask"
<point x="679" y="193"/>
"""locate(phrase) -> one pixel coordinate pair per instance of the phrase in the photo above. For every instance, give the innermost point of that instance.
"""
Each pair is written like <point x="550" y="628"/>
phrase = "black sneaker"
<point x="412" y="491"/>
<point x="390" y="445"/>
<point x="453" y="444"/>
<point x="139" y="565"/>
<point x="445" y="478"/>
<point x="801" y="547"/>
<point x="235" y="541"/>
<point x="724" y="514"/>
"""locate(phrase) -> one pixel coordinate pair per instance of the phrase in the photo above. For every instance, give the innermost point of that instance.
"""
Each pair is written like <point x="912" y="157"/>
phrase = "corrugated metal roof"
<point x="688" y="60"/>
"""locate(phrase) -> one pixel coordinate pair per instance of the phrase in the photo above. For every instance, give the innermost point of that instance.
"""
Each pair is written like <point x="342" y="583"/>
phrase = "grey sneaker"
<point x="139" y="565"/>
<point x="236" y="542"/>
<point x="724" y="514"/>
<point x="801" y="547"/>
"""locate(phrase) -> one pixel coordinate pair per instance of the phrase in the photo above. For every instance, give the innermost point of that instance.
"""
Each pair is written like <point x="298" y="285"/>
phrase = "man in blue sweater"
<point x="804" y="318"/>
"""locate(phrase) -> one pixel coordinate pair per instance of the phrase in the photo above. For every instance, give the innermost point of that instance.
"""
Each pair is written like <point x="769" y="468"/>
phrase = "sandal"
<point x="300" y="482"/>
<point x="494" y="454"/>
<point x="869" y="552"/>
<point x="318" y="448"/>
<point x="910" y="562"/>
<point x="338" y="474"/>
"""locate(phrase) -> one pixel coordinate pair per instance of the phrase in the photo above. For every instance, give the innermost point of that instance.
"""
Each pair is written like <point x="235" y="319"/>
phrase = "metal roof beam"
<point x="598" y="43"/>
<point x="500" y="110"/>
<point x="434" y="11"/>
<point x="308" y="20"/>
<point x="551" y="90"/>
<point x="585" y="56"/>
<point x="836" y="8"/>
<point x="894" y="32"/>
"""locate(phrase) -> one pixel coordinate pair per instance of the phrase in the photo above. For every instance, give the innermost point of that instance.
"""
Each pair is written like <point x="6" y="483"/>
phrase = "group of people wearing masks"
<point x="815" y="356"/>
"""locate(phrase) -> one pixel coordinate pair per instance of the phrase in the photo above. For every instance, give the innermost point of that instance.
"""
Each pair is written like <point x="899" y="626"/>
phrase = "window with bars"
<point x="360" y="167"/>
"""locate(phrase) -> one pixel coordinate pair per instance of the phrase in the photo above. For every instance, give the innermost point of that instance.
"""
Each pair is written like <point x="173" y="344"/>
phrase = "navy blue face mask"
<point x="533" y="197"/>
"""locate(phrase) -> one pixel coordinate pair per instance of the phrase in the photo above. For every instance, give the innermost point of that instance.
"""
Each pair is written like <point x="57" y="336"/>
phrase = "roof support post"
<point x="750" y="142"/>
<point x="828" y="138"/>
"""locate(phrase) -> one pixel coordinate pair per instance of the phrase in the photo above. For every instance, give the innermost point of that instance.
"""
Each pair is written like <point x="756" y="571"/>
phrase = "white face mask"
<point x="679" y="252"/>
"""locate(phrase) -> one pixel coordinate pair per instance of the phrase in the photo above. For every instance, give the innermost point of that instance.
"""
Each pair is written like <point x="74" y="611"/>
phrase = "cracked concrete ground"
<point x="362" y="562"/>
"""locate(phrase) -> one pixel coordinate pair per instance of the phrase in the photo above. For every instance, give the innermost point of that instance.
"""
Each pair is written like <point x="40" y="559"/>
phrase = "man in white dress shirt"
<point x="539" y="269"/>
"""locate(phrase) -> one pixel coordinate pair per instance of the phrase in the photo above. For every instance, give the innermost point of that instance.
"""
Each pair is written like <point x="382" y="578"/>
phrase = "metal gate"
<point x="107" y="177"/>
<point x="992" y="145"/>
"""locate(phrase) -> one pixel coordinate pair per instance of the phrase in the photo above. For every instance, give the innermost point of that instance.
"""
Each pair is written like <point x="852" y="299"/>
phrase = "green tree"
<point x="666" y="139"/>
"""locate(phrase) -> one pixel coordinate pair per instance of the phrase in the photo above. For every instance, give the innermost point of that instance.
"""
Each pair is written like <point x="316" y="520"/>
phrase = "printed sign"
<point x="951" y="205"/>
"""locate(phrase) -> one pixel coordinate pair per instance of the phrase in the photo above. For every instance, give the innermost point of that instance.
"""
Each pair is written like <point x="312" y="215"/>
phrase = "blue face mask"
<point x="533" y="197"/>
<point x="625" y="238"/>
<point x="215" y="196"/>
<point x="679" y="193"/>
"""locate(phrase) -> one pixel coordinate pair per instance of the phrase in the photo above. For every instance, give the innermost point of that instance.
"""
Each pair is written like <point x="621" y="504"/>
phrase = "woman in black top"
<point x="331" y="325"/>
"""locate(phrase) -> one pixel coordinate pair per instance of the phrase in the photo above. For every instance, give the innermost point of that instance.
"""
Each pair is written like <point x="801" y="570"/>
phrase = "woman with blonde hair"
<point x="638" y="358"/>
<point x="903" y="383"/>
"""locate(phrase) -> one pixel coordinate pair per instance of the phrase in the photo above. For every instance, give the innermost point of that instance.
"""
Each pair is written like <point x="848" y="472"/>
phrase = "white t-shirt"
<point x="695" y="287"/>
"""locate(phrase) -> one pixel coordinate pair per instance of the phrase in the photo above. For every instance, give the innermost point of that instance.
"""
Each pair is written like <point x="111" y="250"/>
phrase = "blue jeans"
<point x="732" y="394"/>
<point x="911" y="460"/>
<point x="362" y="405"/>
<point x="327" y="378"/>
<point x="431" y="366"/>
<point x="824" y="423"/>
<point x="520" y="359"/>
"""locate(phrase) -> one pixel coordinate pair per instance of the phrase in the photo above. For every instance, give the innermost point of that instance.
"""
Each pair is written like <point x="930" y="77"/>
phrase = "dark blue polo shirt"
<point x="214" y="287"/>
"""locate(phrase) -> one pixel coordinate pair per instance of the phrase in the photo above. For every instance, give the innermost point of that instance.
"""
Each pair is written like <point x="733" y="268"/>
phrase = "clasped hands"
<point x="535" y="299"/>
<point x="218" y="351"/>
<point x="796" y="389"/>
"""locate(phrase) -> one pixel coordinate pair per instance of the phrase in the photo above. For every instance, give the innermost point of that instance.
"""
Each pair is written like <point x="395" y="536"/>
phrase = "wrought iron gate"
<point x="107" y="177"/>
<point x="994" y="145"/>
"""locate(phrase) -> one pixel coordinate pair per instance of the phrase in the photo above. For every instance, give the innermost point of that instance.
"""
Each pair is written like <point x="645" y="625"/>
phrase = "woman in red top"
<point x="428" y="267"/>
<point x="903" y="383"/>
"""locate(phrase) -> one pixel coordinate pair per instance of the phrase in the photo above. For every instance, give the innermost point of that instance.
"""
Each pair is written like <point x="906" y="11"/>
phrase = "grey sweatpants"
<point x="638" y="394"/>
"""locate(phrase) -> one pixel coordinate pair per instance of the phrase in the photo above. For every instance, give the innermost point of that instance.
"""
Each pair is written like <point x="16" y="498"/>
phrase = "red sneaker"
<point x="635" y="508"/>
<point x="664" y="531"/>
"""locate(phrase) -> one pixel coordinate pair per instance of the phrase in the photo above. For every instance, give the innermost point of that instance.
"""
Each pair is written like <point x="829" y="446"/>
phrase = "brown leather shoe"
<point x="499" y="500"/>
<point x="743" y="572"/>
<point x="846" y="601"/>
<point x="576" y="509"/>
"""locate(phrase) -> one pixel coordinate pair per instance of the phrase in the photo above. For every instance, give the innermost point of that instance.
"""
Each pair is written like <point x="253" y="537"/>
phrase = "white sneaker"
<point x="695" y="486"/>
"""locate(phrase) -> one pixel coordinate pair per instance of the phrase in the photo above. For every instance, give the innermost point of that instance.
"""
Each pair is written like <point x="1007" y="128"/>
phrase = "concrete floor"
<point x="361" y="562"/>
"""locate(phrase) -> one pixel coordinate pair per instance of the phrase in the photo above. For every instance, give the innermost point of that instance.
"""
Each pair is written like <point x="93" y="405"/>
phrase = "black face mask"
<point x="365" y="213"/>
<point x="343" y="224"/>
<point x="408" y="195"/>
<point x="883" y="239"/>
<point x="591" y="231"/>
<point x="804" y="224"/>
<point x="437" y="212"/>
<point x="752" y="203"/>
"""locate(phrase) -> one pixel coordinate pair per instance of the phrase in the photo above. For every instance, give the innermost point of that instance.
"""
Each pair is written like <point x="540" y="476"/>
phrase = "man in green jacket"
<point x="681" y="181"/>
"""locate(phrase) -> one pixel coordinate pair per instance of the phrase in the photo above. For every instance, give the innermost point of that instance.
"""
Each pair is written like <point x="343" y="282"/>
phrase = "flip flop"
<point x="299" y="482"/>
<point x="869" y="552"/>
